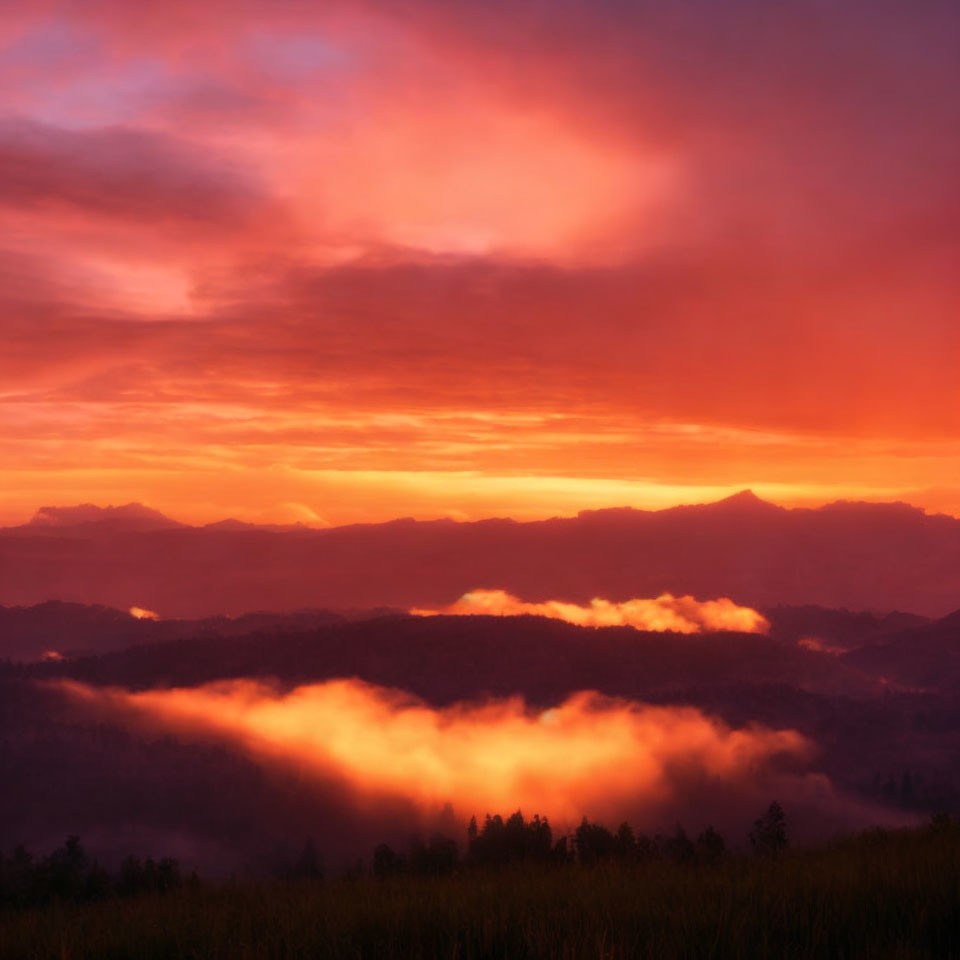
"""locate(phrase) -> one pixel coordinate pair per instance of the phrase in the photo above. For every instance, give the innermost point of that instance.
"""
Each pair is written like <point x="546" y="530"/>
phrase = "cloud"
<point x="634" y="344"/>
<point x="735" y="216"/>
<point x="141" y="613"/>
<point x="771" y="114"/>
<point x="118" y="172"/>
<point x="589" y="755"/>
<point x="129" y="516"/>
<point x="666" y="612"/>
<point x="284" y="392"/>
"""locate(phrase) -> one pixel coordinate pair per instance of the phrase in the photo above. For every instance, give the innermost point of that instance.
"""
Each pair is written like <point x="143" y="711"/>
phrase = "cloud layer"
<point x="668" y="245"/>
<point x="666" y="612"/>
<point x="589" y="755"/>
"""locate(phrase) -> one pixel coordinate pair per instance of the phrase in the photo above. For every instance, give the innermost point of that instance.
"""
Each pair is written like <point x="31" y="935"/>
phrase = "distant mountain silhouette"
<point x="73" y="629"/>
<point x="451" y="658"/>
<point x="231" y="523"/>
<point x="745" y="499"/>
<point x="841" y="629"/>
<point x="745" y="502"/>
<point x="926" y="657"/>
<point x="470" y="656"/>
<point x="859" y="556"/>
<point x="876" y="734"/>
<point x="89" y="518"/>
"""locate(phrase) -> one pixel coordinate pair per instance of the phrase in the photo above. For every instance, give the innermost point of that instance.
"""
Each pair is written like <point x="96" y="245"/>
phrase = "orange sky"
<point x="357" y="260"/>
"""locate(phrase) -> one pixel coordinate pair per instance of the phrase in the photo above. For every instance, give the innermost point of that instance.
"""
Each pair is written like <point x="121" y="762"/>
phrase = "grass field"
<point x="878" y="895"/>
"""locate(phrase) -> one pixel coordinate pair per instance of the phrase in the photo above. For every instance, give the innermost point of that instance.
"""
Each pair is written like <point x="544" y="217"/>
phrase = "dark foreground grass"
<point x="880" y="895"/>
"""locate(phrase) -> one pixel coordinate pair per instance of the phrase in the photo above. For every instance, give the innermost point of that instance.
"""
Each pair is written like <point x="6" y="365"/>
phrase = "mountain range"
<point x="880" y="737"/>
<point x="861" y="556"/>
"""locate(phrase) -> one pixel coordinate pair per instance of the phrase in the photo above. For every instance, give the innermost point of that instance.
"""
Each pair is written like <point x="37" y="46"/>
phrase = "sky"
<point x="340" y="262"/>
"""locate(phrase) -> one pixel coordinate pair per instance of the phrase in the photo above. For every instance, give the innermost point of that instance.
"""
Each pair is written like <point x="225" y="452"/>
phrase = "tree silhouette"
<point x="594" y="842"/>
<point x="308" y="866"/>
<point x="387" y="862"/>
<point x="438" y="856"/>
<point x="69" y="875"/>
<point x="680" y="847"/>
<point x="710" y="846"/>
<point x="512" y="840"/>
<point x="625" y="843"/>
<point x="769" y="834"/>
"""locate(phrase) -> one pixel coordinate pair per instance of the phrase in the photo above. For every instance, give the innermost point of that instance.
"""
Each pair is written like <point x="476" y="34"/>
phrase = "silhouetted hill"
<point x="27" y="633"/>
<point x="837" y="629"/>
<point x="448" y="658"/>
<point x="74" y="630"/>
<point x="88" y="519"/>
<point x="926" y="657"/>
<point x="76" y="771"/>
<point x="854" y="555"/>
<point x="445" y="659"/>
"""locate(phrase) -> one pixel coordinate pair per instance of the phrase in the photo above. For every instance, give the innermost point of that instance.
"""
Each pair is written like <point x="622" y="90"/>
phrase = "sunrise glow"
<point x="479" y="478"/>
<point x="587" y="755"/>
<point x="334" y="263"/>
<point x="139" y="613"/>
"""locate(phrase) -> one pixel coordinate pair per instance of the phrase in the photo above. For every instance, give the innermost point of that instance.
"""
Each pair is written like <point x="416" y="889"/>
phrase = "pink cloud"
<point x="731" y="216"/>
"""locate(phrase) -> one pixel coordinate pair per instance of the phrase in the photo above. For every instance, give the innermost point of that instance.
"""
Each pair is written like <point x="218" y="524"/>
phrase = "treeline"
<point x="500" y="842"/>
<point x="876" y="894"/>
<point x="68" y="874"/>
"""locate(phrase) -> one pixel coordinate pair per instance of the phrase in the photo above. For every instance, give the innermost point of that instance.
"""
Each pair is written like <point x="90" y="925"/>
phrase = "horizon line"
<point x="120" y="511"/>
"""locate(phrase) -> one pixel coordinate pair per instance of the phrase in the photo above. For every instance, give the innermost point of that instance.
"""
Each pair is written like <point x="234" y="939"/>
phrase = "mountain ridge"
<point x="141" y="516"/>
<point x="862" y="556"/>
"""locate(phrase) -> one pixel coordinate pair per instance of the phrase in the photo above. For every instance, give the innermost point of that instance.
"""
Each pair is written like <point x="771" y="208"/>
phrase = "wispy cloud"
<point x="666" y="612"/>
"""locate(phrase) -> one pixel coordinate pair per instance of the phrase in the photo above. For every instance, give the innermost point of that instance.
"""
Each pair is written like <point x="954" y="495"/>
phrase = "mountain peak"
<point x="128" y="516"/>
<point x="744" y="500"/>
<point x="743" y="496"/>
